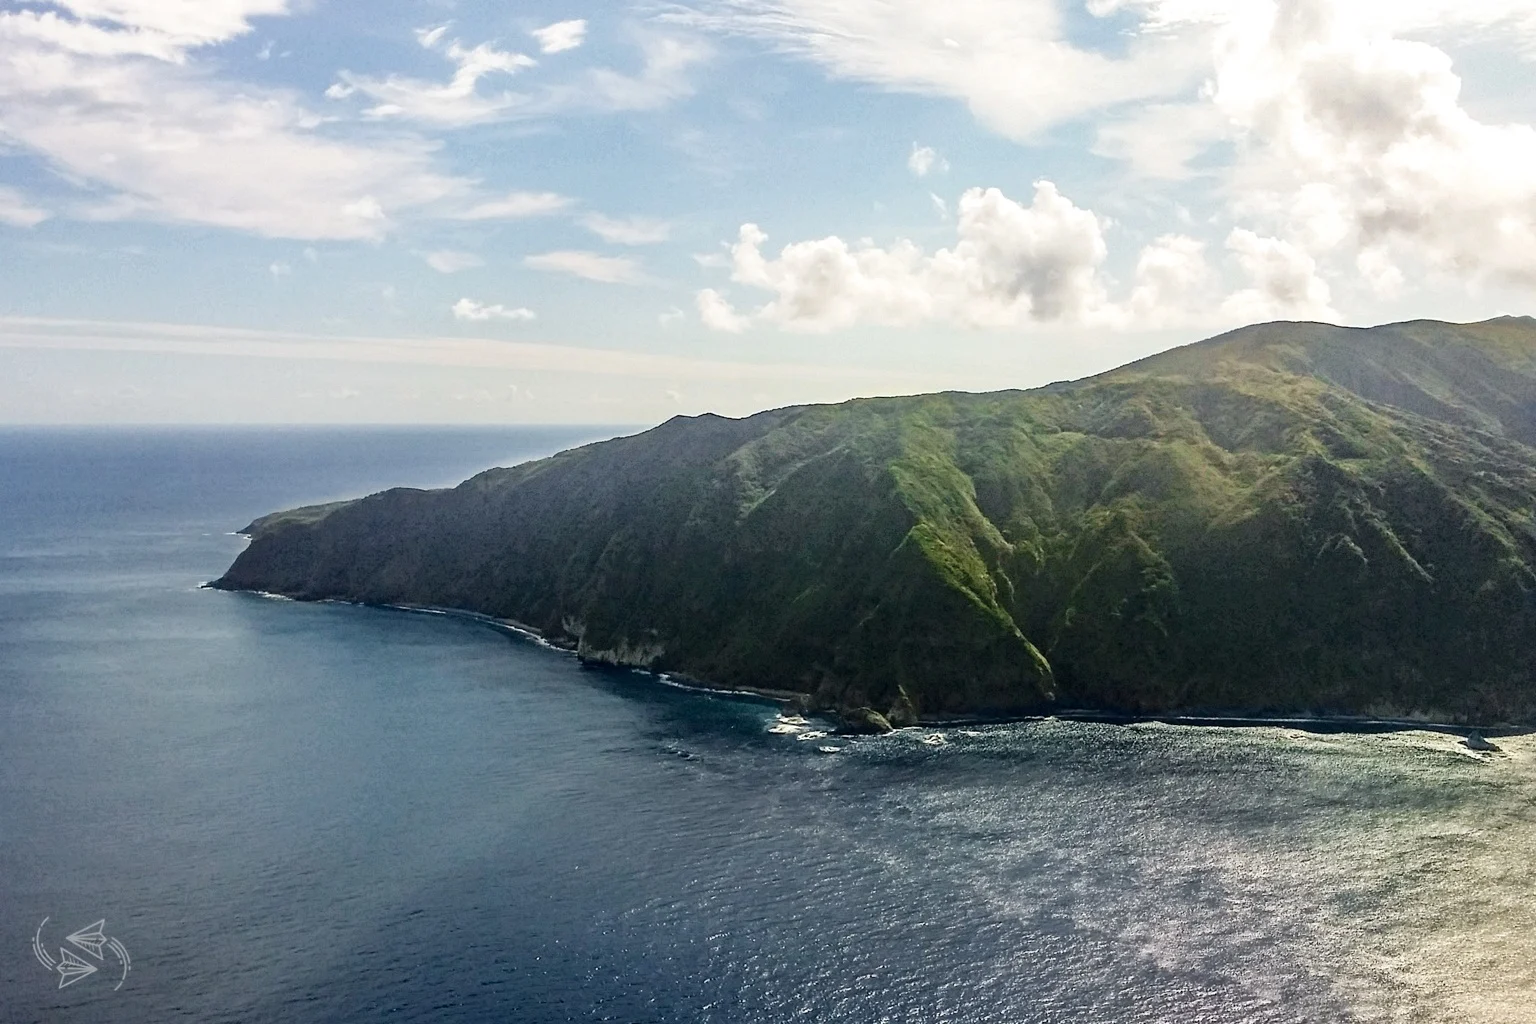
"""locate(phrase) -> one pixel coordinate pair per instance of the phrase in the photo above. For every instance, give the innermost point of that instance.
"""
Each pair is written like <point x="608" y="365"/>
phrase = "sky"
<point x="445" y="211"/>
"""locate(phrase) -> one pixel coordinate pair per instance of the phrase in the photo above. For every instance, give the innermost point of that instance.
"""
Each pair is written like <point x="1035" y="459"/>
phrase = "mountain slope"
<point x="1290" y="517"/>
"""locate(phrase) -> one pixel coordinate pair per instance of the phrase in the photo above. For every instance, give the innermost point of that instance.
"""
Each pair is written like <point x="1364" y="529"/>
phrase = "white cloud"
<point x="1010" y="265"/>
<point x="925" y="159"/>
<point x="561" y="36"/>
<point x="173" y="144"/>
<point x="1333" y="125"/>
<point x="1381" y="274"/>
<point x="516" y="206"/>
<point x="590" y="265"/>
<point x="1358" y="140"/>
<point x="1285" y="281"/>
<point x="469" y="309"/>
<point x="452" y="103"/>
<point x="664" y="77"/>
<point x="1174" y="284"/>
<point x="86" y="39"/>
<point x="1010" y="61"/>
<point x="1160" y="140"/>
<point x="629" y="230"/>
<point x="451" y="261"/>
<point x="188" y="22"/>
<point x="18" y="211"/>
<point x="716" y="313"/>
<point x="1350" y="138"/>
<point x="1497" y="20"/>
<point x="280" y="270"/>
<point x="666" y="60"/>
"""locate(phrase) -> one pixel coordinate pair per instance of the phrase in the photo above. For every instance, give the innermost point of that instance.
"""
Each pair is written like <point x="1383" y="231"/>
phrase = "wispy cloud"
<point x="18" y="211"/>
<point x="469" y="309"/>
<point x="517" y="205"/>
<point x="451" y="261"/>
<point x="452" y="103"/>
<point x="109" y="101"/>
<point x="487" y="353"/>
<point x="589" y="265"/>
<point x="975" y="52"/>
<point x="628" y="230"/>
<point x="668" y="60"/>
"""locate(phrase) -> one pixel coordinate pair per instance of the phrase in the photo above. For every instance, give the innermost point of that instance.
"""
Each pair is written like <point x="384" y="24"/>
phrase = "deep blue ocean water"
<point x="290" y="812"/>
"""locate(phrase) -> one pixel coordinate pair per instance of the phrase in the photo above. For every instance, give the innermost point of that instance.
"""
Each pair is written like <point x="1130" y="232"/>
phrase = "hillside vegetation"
<point x="1287" y="518"/>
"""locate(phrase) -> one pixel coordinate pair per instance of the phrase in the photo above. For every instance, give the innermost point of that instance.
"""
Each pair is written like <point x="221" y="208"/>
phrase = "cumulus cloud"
<point x="18" y="211"/>
<point x="1284" y="279"/>
<point x="1174" y="284"/>
<point x="1349" y="138"/>
<point x="455" y="102"/>
<point x="561" y="36"/>
<point x="589" y="265"/>
<point x="924" y="160"/>
<point x="451" y="261"/>
<point x="716" y="313"/>
<point x="1336" y="126"/>
<point x="1011" y="264"/>
<point x="629" y="230"/>
<point x="469" y="309"/>
<point x="1356" y="139"/>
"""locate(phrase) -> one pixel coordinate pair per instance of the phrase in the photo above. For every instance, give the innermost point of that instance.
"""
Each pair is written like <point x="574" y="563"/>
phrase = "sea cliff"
<point x="1291" y="518"/>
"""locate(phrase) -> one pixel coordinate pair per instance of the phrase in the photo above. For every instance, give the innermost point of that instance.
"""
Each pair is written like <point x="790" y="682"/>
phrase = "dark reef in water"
<point x="1290" y="518"/>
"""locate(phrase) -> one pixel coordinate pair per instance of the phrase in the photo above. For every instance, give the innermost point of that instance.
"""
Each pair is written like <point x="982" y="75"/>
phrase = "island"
<point x="1288" y="519"/>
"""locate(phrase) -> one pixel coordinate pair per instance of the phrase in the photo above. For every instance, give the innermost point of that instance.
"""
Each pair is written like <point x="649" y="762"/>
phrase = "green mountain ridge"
<point x="1289" y="518"/>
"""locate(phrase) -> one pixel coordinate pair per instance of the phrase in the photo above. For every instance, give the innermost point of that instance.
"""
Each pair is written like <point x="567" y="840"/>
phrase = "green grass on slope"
<point x="1292" y="517"/>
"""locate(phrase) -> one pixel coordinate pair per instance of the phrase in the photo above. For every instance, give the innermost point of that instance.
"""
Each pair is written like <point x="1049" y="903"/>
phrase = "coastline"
<point x="1323" y="724"/>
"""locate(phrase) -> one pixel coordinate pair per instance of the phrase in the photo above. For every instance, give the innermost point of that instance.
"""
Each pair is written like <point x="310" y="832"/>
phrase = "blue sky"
<point x="435" y="211"/>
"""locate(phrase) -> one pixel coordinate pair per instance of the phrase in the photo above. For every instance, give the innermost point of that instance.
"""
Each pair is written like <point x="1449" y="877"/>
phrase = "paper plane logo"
<point x="90" y="938"/>
<point x="95" y="943"/>
<point x="71" y="968"/>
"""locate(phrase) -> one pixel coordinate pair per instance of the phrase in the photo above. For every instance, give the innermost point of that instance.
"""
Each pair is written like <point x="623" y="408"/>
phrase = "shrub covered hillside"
<point x="1287" y="518"/>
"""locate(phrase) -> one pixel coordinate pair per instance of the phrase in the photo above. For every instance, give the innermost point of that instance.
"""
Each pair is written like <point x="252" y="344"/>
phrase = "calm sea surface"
<point x="290" y="812"/>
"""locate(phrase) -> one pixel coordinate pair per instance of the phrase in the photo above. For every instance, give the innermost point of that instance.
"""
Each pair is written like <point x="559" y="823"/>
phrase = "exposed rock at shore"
<point x="863" y="721"/>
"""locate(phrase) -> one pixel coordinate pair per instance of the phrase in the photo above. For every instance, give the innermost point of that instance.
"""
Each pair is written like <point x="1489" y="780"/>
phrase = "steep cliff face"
<point x="1291" y="517"/>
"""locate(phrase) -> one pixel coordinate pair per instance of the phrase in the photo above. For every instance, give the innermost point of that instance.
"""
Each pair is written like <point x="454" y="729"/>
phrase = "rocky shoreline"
<point x="865" y="721"/>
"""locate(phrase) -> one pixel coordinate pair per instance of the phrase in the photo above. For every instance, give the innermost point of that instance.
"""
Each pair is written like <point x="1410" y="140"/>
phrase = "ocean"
<point x="328" y="813"/>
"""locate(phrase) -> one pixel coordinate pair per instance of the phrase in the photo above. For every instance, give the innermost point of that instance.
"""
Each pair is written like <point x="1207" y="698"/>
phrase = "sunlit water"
<point x="294" y="812"/>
